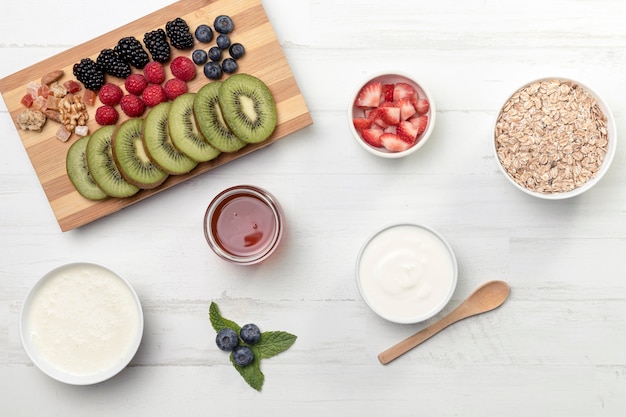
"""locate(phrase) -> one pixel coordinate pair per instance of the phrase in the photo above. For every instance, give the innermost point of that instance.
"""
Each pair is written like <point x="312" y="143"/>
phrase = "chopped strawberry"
<point x="407" y="131"/>
<point x="422" y="106"/>
<point x="372" y="136"/>
<point x="420" y="123"/>
<point x="389" y="115"/>
<point x="407" y="110"/>
<point x="393" y="143"/>
<point x="369" y="96"/>
<point x="403" y="90"/>
<point x="361" y="123"/>
<point x="387" y="92"/>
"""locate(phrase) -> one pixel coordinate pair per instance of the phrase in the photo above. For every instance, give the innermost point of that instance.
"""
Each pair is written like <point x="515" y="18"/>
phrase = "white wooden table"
<point x="556" y="348"/>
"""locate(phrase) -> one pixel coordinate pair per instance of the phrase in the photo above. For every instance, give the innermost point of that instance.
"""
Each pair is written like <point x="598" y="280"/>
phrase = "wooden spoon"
<point x="485" y="298"/>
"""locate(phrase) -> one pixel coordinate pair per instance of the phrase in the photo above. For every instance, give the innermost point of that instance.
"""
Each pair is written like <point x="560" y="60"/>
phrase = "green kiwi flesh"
<point x="248" y="107"/>
<point x="210" y="121"/>
<point x="184" y="131"/>
<point x="159" y="146"/>
<point x="130" y="156"/>
<point x="102" y="166"/>
<point x="78" y="172"/>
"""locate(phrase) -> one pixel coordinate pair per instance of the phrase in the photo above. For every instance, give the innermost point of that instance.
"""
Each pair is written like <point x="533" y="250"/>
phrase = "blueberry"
<point x="227" y="339"/>
<point x="250" y="333"/>
<point x="236" y="50"/>
<point x="243" y="355"/>
<point x="212" y="70"/>
<point x="229" y="66"/>
<point x="215" y="54"/>
<point x="204" y="33"/>
<point x="223" y="24"/>
<point x="223" y="41"/>
<point x="199" y="56"/>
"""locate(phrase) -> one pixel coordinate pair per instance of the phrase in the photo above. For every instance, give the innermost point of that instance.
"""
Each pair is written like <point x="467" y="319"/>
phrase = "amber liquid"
<point x="244" y="225"/>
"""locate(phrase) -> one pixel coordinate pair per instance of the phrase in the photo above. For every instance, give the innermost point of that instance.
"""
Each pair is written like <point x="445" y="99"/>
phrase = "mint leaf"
<point x="219" y="322"/>
<point x="252" y="373"/>
<point x="273" y="343"/>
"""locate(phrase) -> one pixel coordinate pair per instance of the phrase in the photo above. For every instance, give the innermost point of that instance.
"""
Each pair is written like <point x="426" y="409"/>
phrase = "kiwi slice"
<point x="184" y="131"/>
<point x="210" y="121"/>
<point x="130" y="156"/>
<point x="102" y="166"/>
<point x="78" y="172"/>
<point x="159" y="146"/>
<point x="248" y="107"/>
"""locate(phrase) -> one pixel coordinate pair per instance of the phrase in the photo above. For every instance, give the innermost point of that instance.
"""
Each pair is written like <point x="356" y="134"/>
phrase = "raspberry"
<point x="110" y="94"/>
<point x="106" y="115"/>
<point x="154" y="72"/>
<point x="132" y="105"/>
<point x="183" y="68"/>
<point x="174" y="88"/>
<point x="153" y="95"/>
<point x="135" y="84"/>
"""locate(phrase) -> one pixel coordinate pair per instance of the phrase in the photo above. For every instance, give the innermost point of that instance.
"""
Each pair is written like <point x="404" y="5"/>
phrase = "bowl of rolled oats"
<point x="554" y="138"/>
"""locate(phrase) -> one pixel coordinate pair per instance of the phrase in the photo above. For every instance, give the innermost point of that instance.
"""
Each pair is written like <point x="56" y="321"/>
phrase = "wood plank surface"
<point x="264" y="58"/>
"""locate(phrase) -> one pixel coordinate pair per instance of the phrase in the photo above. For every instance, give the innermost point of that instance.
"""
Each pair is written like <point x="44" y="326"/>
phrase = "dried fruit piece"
<point x="51" y="77"/>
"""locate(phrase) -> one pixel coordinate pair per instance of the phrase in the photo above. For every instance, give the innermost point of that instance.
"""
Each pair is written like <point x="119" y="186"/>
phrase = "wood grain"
<point x="264" y="59"/>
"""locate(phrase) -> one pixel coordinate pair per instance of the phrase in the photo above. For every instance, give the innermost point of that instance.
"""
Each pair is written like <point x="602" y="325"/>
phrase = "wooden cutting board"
<point x="264" y="58"/>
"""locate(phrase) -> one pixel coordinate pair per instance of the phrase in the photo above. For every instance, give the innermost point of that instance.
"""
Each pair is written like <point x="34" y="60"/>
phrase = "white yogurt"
<point x="406" y="273"/>
<point x="82" y="320"/>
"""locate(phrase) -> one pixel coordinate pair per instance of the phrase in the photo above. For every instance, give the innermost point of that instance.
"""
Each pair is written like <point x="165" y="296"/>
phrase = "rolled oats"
<point x="551" y="136"/>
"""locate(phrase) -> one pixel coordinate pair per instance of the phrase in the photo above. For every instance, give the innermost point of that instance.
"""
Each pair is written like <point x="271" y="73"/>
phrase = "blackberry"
<point x="111" y="63"/>
<point x="156" y="42"/>
<point x="88" y="73"/>
<point x="179" y="34"/>
<point x="131" y="51"/>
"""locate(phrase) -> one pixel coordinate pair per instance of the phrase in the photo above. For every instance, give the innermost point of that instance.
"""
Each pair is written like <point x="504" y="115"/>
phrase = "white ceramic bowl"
<point x="81" y="323"/>
<point x="392" y="77"/>
<point x="406" y="273"/>
<point x="579" y="188"/>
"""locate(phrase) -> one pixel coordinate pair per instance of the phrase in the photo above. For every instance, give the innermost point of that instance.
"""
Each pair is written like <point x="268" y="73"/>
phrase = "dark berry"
<point x="157" y="44"/>
<point x="212" y="70"/>
<point x="250" y="333"/>
<point x="178" y="32"/>
<point x="111" y="63"/>
<point x="131" y="51"/>
<point x="215" y="54"/>
<point x="236" y="50"/>
<point x="243" y="356"/>
<point x="199" y="56"/>
<point x="223" y="41"/>
<point x="223" y="24"/>
<point x="204" y="33"/>
<point x="229" y="66"/>
<point x="87" y="72"/>
<point x="227" y="339"/>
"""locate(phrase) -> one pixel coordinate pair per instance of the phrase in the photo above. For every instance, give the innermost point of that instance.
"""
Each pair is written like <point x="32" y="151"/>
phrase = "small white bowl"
<point x="406" y="273"/>
<point x="81" y="323"/>
<point x="392" y="77"/>
<point x="580" y="188"/>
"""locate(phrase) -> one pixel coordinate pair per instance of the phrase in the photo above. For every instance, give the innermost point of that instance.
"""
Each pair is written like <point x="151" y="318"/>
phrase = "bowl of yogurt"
<point x="406" y="273"/>
<point x="81" y="323"/>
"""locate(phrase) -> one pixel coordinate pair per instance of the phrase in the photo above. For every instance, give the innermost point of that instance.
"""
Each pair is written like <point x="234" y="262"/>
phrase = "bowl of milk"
<point x="81" y="323"/>
<point x="406" y="273"/>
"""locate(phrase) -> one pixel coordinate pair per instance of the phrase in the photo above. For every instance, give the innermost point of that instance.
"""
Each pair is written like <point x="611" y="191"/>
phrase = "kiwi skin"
<point x="130" y="156"/>
<point x="248" y="107"/>
<point x="78" y="171"/>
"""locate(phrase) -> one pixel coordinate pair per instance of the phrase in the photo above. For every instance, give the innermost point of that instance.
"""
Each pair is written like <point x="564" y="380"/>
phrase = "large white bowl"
<point x="612" y="145"/>
<point x="72" y="323"/>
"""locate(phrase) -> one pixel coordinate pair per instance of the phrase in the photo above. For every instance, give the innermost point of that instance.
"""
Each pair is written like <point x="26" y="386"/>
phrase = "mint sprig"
<point x="271" y="344"/>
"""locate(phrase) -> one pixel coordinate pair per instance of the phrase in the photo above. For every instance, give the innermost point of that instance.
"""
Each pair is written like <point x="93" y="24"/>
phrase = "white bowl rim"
<point x="50" y="369"/>
<point x="608" y="159"/>
<point x="422" y="317"/>
<point x="381" y="152"/>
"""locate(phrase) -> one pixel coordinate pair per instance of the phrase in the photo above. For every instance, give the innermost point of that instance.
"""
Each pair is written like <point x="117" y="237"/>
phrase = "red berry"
<point x="154" y="72"/>
<point x="135" y="84"/>
<point x="106" y="115"/>
<point x="132" y="105"/>
<point x="153" y="95"/>
<point x="370" y="95"/>
<point x="110" y="94"/>
<point x="183" y="68"/>
<point x="174" y="88"/>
